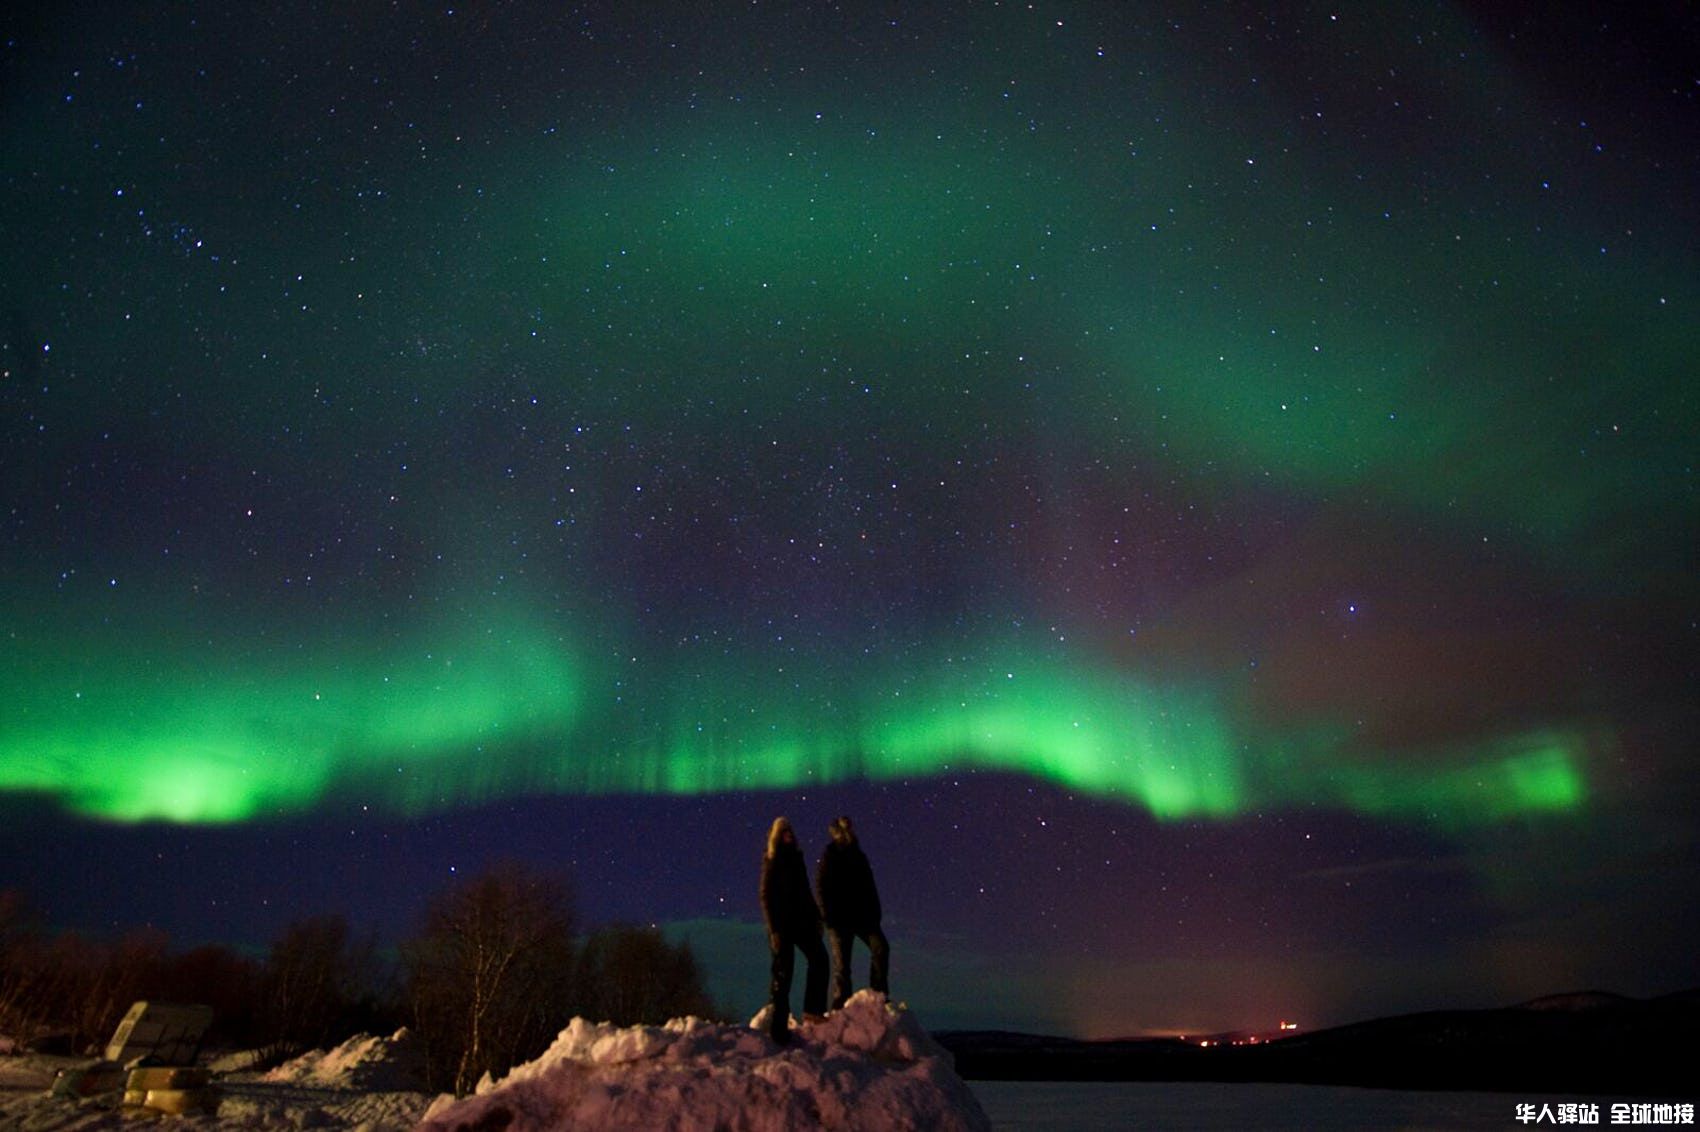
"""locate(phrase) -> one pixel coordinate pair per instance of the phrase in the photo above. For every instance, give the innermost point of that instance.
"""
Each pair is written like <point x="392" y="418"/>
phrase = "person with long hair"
<point x="793" y="924"/>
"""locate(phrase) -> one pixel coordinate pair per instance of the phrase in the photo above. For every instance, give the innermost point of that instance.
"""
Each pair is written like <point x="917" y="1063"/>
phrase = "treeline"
<point x="493" y="972"/>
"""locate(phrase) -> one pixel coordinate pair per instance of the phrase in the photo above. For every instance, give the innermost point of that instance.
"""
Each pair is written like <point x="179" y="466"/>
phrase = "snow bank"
<point x="364" y="1062"/>
<point x="868" y="1066"/>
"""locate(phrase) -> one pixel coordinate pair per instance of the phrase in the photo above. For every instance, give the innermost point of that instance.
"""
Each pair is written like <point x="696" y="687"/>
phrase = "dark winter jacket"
<point x="848" y="899"/>
<point x="786" y="902"/>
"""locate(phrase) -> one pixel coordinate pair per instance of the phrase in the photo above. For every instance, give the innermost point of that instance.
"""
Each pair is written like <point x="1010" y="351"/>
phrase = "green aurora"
<point x="500" y="713"/>
<point x="1073" y="259"/>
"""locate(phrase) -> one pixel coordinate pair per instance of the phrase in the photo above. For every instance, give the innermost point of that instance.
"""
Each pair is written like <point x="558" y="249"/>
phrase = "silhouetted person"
<point x="850" y="904"/>
<point x="793" y="921"/>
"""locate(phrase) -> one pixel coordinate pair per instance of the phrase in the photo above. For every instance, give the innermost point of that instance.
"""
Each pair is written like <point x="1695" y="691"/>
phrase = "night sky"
<point x="1210" y="489"/>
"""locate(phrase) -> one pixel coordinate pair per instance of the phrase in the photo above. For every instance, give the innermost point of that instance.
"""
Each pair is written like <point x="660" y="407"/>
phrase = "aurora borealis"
<point x="1211" y="490"/>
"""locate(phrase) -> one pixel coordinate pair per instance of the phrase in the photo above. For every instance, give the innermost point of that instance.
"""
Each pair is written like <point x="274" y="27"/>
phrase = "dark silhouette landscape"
<point x="1588" y="1042"/>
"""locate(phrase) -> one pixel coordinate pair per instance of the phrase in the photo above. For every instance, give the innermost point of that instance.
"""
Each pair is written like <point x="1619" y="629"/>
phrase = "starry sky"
<point x="1210" y="488"/>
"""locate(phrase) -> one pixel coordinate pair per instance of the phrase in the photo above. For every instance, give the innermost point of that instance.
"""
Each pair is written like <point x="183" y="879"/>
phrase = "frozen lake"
<point x="1092" y="1106"/>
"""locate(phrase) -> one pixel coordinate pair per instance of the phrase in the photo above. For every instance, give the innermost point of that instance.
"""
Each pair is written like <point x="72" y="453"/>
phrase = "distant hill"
<point x="1591" y="1042"/>
<point x="1575" y="1000"/>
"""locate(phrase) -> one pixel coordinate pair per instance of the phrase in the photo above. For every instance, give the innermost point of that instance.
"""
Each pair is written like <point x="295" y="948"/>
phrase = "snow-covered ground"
<point x="363" y="1083"/>
<point x="869" y="1066"/>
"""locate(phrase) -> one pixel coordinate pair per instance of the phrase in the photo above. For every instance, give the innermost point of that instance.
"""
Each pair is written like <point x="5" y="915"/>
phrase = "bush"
<point x="222" y="979"/>
<point x="631" y="975"/>
<point x="71" y="988"/>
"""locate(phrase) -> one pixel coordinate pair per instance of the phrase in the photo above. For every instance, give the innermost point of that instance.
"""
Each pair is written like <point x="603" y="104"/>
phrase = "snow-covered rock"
<point x="869" y="1066"/>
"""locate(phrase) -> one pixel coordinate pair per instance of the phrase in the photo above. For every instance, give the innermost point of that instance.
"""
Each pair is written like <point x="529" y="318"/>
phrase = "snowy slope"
<point x="869" y="1066"/>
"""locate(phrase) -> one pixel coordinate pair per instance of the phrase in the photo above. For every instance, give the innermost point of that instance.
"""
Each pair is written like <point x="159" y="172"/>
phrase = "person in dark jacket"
<point x="793" y="921"/>
<point x="850" y="904"/>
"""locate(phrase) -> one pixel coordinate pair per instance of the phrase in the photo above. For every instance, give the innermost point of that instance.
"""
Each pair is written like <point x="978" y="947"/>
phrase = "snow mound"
<point x="363" y="1062"/>
<point x="869" y="1066"/>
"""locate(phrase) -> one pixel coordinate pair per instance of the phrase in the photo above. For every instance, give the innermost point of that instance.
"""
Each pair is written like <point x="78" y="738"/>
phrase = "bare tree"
<point x="490" y="974"/>
<point x="313" y="976"/>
